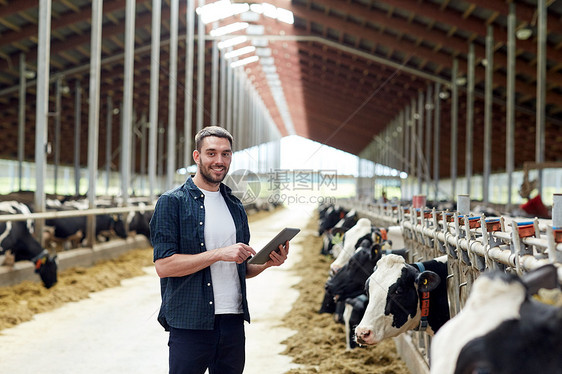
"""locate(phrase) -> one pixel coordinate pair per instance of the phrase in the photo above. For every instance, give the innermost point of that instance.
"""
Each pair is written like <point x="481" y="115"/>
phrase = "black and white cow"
<point x="502" y="329"/>
<point x="139" y="223"/>
<point x="347" y="286"/>
<point x="349" y="282"/>
<point x="16" y="237"/>
<point x="332" y="236"/>
<point x="352" y="238"/>
<point x="74" y="228"/>
<point x="330" y="217"/>
<point x="360" y="234"/>
<point x="404" y="297"/>
<point x="352" y="315"/>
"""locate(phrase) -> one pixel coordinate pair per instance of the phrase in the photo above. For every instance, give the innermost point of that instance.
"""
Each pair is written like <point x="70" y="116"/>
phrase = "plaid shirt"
<point x="177" y="226"/>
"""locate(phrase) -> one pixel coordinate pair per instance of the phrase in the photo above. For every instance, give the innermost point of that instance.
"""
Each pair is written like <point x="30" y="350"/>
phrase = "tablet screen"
<point x="263" y="256"/>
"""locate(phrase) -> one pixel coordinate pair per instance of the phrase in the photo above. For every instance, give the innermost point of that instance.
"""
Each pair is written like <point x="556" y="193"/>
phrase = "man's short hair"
<point x="217" y="131"/>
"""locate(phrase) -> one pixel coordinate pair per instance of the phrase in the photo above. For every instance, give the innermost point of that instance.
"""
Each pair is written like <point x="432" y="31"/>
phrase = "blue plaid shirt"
<point x="178" y="226"/>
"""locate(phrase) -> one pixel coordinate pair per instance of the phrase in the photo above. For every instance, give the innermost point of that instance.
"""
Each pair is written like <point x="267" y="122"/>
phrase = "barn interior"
<point x="455" y="100"/>
<point x="436" y="89"/>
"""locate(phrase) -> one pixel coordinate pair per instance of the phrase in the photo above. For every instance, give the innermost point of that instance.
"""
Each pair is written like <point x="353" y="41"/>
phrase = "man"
<point x="200" y="236"/>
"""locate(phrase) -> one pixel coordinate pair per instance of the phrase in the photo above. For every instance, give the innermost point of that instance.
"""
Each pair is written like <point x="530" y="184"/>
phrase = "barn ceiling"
<point x="347" y="69"/>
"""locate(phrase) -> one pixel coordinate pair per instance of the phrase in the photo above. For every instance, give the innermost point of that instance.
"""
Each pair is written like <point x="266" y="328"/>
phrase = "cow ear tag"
<point x="427" y="281"/>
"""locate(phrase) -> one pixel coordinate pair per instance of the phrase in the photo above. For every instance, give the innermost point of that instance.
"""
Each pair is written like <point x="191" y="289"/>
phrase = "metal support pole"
<point x="214" y="80"/>
<point x="108" y="142"/>
<point x="200" y="69"/>
<point x="93" y="113"/>
<point x="419" y="141"/>
<point x="42" y="110"/>
<point x="144" y="125"/>
<point x="240" y="103"/>
<point x="133" y="156"/>
<point x="436" y="139"/>
<point x="77" y="126"/>
<point x="541" y="89"/>
<point x="428" y="127"/>
<point x="406" y="130"/>
<point x="413" y="140"/>
<point x="488" y="114"/>
<point x="161" y="132"/>
<point x="58" y="113"/>
<point x="235" y="108"/>
<point x="510" y="103"/>
<point x="454" y="126"/>
<point x="153" y="106"/>
<point x="127" y="100"/>
<point x="557" y="210"/>
<point x="223" y="75"/>
<point x="21" y="119"/>
<point x="463" y="204"/>
<point x="188" y="106"/>
<point x="172" y="99"/>
<point x="229" y="89"/>
<point x="469" y="118"/>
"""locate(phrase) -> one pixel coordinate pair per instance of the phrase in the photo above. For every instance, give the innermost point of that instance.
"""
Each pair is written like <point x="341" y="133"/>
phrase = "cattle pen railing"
<point x="75" y="213"/>
<point x="83" y="256"/>
<point x="473" y="244"/>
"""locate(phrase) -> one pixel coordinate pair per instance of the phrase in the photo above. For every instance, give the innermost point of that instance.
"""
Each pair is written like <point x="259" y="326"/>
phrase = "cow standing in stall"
<point x="347" y="286"/>
<point x="16" y="240"/>
<point x="363" y="229"/>
<point x="333" y="234"/>
<point x="504" y="328"/>
<point x="352" y="239"/>
<point x="404" y="297"/>
<point x="72" y="230"/>
<point x="139" y="222"/>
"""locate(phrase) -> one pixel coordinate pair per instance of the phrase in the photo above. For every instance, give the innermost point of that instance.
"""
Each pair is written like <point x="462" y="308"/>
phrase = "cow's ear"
<point x="376" y="251"/>
<point x="543" y="277"/>
<point x="427" y="281"/>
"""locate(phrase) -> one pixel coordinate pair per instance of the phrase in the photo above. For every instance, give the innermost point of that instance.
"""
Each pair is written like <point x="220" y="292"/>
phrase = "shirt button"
<point x="200" y="223"/>
<point x="195" y="197"/>
<point x="210" y="303"/>
<point x="201" y="195"/>
<point x="201" y="206"/>
<point x="208" y="284"/>
<point x="202" y="244"/>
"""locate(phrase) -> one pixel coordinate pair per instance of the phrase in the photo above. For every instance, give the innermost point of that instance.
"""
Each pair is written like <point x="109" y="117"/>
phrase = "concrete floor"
<point x="115" y="330"/>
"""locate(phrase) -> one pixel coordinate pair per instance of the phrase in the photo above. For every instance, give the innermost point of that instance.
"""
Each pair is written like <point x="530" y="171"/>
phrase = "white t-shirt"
<point x="221" y="232"/>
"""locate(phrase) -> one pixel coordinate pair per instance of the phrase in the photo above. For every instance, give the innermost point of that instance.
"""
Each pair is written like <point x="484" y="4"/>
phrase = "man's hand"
<point x="238" y="253"/>
<point x="278" y="257"/>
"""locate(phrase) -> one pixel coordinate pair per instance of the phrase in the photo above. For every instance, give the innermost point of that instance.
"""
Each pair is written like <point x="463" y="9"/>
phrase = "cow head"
<point x="349" y="281"/>
<point x="46" y="266"/>
<point x="119" y="227"/>
<point x="394" y="303"/>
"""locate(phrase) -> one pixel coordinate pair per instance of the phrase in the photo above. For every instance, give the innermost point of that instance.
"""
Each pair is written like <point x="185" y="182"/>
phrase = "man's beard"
<point x="207" y="174"/>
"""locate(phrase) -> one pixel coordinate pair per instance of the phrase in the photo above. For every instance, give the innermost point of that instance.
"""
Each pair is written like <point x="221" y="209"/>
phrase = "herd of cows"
<point x="378" y="294"/>
<point x="18" y="240"/>
<point x="373" y="289"/>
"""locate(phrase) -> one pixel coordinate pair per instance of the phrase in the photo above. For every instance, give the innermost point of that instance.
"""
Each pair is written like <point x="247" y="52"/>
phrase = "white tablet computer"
<point x="263" y="256"/>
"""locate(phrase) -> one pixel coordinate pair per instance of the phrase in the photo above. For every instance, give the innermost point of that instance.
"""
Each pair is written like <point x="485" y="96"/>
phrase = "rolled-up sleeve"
<point x="164" y="234"/>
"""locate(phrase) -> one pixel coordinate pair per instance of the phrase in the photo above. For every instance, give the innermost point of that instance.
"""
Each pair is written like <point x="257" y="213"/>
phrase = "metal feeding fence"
<point x="473" y="244"/>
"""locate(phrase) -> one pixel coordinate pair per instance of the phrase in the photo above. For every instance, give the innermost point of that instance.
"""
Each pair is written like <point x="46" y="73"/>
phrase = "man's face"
<point x="214" y="159"/>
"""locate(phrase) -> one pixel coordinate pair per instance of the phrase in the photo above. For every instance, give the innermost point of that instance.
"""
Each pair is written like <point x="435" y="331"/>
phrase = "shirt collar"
<point x="196" y="192"/>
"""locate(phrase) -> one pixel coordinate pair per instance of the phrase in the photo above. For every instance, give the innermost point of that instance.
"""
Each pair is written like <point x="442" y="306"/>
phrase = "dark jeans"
<point x="222" y="350"/>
